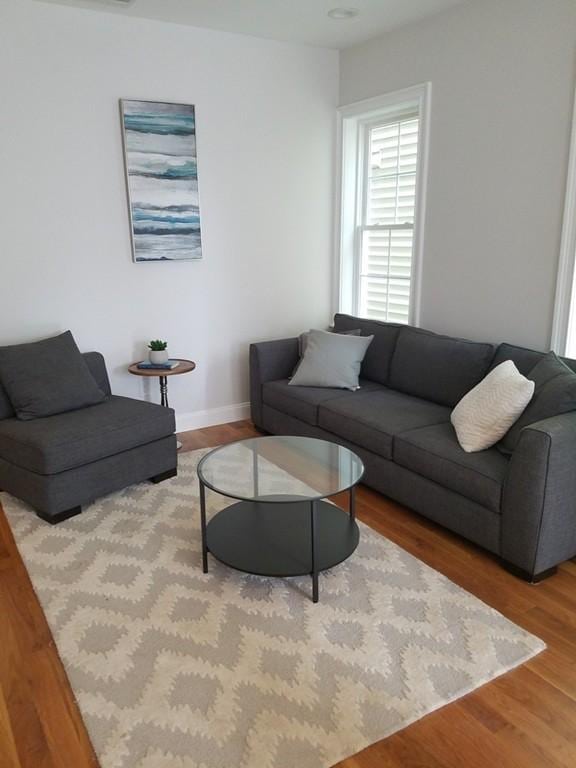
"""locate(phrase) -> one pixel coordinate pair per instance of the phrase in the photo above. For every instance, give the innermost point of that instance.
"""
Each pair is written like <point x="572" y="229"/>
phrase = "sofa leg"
<point x="59" y="517"/>
<point x="532" y="578"/>
<point x="164" y="475"/>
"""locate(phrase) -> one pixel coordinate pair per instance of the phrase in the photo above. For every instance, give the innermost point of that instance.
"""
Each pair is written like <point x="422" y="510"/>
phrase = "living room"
<point x="353" y="230"/>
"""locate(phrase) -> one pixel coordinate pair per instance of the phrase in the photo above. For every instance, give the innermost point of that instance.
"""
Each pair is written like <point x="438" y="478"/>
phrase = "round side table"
<point x="184" y="366"/>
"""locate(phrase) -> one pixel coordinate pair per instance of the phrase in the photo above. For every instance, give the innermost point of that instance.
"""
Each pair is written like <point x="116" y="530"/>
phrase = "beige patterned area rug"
<point x="176" y="669"/>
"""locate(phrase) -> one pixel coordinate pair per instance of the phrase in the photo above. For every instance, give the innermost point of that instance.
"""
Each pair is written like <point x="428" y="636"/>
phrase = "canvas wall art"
<point x="162" y="179"/>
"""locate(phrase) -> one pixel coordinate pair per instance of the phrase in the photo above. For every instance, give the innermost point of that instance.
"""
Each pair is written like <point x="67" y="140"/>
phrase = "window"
<point x="381" y="215"/>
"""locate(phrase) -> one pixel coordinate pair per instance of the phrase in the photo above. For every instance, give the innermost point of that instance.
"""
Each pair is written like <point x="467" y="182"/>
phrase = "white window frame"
<point x="563" y="338"/>
<point x="353" y="122"/>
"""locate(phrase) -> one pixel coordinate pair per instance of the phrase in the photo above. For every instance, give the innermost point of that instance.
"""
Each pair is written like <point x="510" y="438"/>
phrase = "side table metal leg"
<point x="353" y="503"/>
<point x="164" y="390"/>
<point x="313" y="544"/>
<point x="203" y="525"/>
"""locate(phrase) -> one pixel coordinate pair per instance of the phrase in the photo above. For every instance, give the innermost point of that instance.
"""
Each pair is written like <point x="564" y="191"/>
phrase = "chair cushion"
<point x="376" y="363"/>
<point x="47" y="377"/>
<point x="438" y="368"/>
<point x="372" y="419"/>
<point x="434" y="452"/>
<point x="302" y="402"/>
<point x="67" y="440"/>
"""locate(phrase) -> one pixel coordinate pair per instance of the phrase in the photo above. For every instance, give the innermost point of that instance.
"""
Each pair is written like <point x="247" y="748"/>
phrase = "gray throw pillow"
<point x="331" y="360"/>
<point x="303" y="338"/>
<point x="303" y="342"/>
<point x="47" y="377"/>
<point x="554" y="393"/>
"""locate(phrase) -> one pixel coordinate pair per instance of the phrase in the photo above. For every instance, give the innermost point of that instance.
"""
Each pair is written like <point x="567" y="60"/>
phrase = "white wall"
<point x="265" y="116"/>
<point x="503" y="76"/>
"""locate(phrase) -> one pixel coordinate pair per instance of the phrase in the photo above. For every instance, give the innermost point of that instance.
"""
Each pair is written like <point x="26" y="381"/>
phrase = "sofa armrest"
<point x="97" y="366"/>
<point x="539" y="501"/>
<point x="269" y="361"/>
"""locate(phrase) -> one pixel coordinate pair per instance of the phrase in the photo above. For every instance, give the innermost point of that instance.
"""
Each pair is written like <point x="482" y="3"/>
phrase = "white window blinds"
<point x="386" y="228"/>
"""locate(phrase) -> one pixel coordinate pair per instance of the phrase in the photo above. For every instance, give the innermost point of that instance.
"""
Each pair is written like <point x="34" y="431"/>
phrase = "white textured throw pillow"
<point x="487" y="412"/>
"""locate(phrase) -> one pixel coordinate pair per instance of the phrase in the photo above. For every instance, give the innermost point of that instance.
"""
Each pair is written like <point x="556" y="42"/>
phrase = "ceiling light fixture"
<point x="343" y="14"/>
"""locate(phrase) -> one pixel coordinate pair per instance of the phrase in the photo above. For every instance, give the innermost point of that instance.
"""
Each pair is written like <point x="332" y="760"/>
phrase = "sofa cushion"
<point x="302" y="402"/>
<point x="438" y="368"/>
<point x="524" y="359"/>
<point x="6" y="410"/>
<point x="434" y="453"/>
<point x="67" y="440"/>
<point x="555" y="393"/>
<point x="372" y="419"/>
<point x="376" y="363"/>
<point x="47" y="377"/>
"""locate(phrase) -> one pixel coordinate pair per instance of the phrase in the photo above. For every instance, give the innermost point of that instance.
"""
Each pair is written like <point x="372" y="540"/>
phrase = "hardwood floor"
<point x="525" y="719"/>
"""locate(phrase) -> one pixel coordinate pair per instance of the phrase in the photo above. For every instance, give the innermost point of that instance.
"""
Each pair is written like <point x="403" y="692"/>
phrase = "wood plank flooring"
<point x="525" y="719"/>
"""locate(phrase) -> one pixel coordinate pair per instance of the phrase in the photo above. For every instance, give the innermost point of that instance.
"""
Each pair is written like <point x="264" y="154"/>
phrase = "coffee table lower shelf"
<point x="276" y="539"/>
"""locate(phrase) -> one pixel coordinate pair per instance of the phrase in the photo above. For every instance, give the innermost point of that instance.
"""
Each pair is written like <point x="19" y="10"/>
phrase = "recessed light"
<point x="343" y="14"/>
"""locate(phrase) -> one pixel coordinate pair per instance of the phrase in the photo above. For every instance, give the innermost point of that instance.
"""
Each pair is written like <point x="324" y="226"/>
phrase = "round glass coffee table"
<point x="281" y="524"/>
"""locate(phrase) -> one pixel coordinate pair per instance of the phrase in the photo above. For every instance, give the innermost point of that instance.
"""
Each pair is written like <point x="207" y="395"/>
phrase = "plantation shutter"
<point x="387" y="225"/>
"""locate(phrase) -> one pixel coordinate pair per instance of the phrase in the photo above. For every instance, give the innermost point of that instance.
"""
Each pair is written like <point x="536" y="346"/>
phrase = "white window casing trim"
<point x="564" y="319"/>
<point x="351" y="119"/>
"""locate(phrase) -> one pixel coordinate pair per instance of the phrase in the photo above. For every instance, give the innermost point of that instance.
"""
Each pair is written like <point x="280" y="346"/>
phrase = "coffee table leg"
<point x="313" y="541"/>
<point x="203" y="524"/>
<point x="353" y="502"/>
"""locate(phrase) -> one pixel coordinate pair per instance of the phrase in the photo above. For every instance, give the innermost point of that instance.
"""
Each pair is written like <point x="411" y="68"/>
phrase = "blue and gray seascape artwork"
<point x="160" y="142"/>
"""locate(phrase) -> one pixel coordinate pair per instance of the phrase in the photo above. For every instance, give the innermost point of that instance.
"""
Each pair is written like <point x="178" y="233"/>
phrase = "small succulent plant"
<point x="157" y="345"/>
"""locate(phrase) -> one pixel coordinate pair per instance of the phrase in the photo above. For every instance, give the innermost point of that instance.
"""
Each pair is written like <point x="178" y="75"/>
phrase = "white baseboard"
<point x="212" y="416"/>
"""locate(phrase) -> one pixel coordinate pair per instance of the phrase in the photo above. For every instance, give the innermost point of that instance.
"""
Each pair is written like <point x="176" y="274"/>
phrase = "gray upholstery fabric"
<point x="303" y="402"/>
<point x="539" y="501"/>
<point x="372" y="419"/>
<point x="434" y="501"/>
<point x="6" y="410"/>
<point x="67" y="440"/>
<point x="331" y="360"/>
<point x="376" y="364"/>
<point x="269" y="361"/>
<point x="97" y="367"/>
<point x="75" y="487"/>
<point x="47" y="377"/>
<point x="435" y="453"/>
<point x="555" y="393"/>
<point x="523" y="358"/>
<point x="438" y="368"/>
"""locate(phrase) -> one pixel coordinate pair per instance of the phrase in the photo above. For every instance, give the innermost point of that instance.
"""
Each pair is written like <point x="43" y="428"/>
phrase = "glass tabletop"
<point x="280" y="469"/>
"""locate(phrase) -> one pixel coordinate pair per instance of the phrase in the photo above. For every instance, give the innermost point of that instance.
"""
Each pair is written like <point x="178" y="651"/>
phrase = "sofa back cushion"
<point x="376" y="364"/>
<point x="524" y="359"/>
<point x="438" y="368"/>
<point x="47" y="377"/>
<point x="6" y="410"/>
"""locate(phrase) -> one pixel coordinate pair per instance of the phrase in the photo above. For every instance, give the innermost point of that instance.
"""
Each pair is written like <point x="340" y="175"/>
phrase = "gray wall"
<point x="503" y="77"/>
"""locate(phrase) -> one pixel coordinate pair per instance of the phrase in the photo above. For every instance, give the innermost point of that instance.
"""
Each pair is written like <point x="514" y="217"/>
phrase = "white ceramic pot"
<point x="157" y="357"/>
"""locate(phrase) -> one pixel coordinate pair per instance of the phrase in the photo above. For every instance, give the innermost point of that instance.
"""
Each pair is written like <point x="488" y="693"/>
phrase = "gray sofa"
<point x="58" y="463"/>
<point x="520" y="507"/>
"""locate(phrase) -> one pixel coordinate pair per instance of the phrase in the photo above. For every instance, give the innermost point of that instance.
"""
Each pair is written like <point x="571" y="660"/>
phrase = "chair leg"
<point x="59" y="517"/>
<point x="164" y="475"/>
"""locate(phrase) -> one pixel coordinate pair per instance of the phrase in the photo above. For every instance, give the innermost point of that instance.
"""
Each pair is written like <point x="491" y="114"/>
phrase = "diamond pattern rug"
<point x="173" y="668"/>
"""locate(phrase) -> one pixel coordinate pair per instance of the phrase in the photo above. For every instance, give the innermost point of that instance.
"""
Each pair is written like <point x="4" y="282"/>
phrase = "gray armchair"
<point x="59" y="463"/>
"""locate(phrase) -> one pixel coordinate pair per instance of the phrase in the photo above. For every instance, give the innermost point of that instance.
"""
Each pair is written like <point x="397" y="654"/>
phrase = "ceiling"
<point x="299" y="21"/>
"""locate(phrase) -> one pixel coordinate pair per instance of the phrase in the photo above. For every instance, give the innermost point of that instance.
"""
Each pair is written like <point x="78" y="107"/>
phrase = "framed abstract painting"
<point x="162" y="180"/>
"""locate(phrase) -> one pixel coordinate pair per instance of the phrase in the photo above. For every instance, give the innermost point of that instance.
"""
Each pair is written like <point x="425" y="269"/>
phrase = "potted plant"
<point x="158" y="351"/>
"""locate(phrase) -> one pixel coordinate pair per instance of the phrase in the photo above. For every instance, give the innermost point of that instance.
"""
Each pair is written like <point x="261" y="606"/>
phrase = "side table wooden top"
<point x="184" y="366"/>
